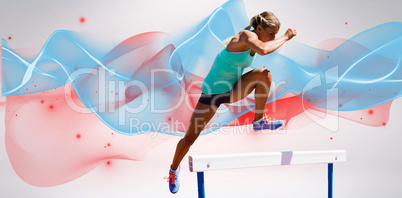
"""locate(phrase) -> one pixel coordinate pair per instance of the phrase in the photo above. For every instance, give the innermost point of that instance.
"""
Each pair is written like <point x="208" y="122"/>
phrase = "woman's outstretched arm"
<point x="264" y="48"/>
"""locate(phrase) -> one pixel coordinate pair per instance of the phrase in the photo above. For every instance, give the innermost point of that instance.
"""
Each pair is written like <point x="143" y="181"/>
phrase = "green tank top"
<point x="226" y="70"/>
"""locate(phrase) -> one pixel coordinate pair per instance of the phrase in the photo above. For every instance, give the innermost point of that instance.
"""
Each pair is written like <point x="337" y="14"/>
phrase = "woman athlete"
<point x="226" y="84"/>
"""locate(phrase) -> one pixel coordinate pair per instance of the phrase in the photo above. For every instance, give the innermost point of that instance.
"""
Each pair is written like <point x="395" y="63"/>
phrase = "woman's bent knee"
<point x="265" y="74"/>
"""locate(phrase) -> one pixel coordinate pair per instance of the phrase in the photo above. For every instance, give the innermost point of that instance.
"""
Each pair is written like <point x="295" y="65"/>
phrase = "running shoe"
<point x="173" y="180"/>
<point x="265" y="123"/>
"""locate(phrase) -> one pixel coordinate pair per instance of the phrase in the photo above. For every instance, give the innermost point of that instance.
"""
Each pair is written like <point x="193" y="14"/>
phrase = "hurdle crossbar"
<point x="202" y="163"/>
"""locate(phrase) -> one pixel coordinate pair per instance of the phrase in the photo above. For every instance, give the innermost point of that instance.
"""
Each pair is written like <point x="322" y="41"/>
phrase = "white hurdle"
<point x="202" y="163"/>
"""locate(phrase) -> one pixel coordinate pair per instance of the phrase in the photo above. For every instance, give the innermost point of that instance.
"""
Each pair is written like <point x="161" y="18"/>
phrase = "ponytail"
<point x="265" y="19"/>
<point x="226" y="41"/>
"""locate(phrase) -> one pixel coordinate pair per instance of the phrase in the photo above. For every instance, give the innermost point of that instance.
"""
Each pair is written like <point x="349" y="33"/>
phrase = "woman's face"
<point x="266" y="34"/>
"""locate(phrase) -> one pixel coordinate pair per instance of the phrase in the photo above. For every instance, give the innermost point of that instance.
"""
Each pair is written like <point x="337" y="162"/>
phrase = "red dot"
<point x="112" y="133"/>
<point x="16" y="114"/>
<point x="361" y="118"/>
<point x="82" y="20"/>
<point x="42" y="101"/>
<point x="108" y="162"/>
<point x="383" y="124"/>
<point x="331" y="138"/>
<point x="51" y="106"/>
<point x="78" y="136"/>
<point x="340" y="105"/>
<point x="108" y="144"/>
<point x="346" y="23"/>
<point x="371" y="112"/>
<point x="9" y="38"/>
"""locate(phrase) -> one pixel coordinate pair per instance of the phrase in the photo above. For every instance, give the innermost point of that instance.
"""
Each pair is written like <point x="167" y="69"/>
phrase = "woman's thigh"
<point x="202" y="114"/>
<point x="247" y="82"/>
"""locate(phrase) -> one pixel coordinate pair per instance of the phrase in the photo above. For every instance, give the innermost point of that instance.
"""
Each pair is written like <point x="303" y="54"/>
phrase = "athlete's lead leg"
<point x="258" y="79"/>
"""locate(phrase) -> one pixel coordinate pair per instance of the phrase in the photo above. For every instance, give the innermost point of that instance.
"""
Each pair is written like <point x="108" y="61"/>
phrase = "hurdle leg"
<point x="200" y="179"/>
<point x="330" y="178"/>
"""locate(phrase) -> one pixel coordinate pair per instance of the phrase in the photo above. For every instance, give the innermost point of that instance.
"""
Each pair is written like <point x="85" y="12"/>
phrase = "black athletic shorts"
<point x="215" y="99"/>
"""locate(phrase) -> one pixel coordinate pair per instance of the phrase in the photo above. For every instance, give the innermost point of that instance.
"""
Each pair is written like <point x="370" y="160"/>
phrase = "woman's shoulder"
<point x="246" y="34"/>
<point x="238" y="43"/>
<point x="242" y="35"/>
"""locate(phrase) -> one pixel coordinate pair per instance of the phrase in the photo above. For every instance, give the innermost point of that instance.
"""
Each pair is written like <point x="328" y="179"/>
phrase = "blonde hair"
<point x="265" y="19"/>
